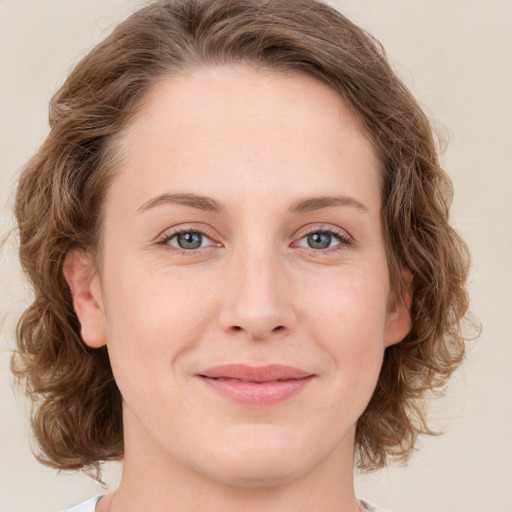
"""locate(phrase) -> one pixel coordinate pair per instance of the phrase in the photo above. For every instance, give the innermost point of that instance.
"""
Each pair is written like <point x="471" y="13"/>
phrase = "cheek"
<point x="152" y="320"/>
<point x="349" y="307"/>
<point x="348" y="319"/>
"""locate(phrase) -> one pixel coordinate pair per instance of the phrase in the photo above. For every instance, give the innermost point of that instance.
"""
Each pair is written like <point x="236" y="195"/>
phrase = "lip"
<point x="256" y="386"/>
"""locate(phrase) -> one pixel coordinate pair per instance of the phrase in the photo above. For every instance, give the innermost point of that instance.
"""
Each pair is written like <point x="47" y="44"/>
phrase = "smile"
<point x="256" y="386"/>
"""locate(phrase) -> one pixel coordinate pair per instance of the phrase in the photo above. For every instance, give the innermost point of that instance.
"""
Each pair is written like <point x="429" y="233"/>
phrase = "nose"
<point x="257" y="298"/>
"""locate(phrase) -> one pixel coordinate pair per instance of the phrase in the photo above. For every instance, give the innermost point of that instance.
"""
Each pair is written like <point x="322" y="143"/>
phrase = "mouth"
<point x="256" y="386"/>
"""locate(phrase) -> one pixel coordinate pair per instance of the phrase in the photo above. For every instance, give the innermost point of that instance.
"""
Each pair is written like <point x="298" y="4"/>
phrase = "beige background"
<point x="457" y="58"/>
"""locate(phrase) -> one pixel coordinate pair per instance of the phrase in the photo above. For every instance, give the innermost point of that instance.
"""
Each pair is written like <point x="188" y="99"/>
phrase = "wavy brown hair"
<point x="77" y="407"/>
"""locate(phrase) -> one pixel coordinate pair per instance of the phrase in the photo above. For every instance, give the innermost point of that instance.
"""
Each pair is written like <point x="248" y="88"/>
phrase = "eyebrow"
<point x="207" y="204"/>
<point x="311" y="204"/>
<point x="204" y="203"/>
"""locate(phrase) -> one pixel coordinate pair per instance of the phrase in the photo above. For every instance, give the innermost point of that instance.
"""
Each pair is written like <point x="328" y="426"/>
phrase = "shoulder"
<point x="86" y="506"/>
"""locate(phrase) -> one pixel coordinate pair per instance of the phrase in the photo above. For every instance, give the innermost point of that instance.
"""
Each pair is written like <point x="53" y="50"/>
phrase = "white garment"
<point x="86" y="506"/>
<point x="90" y="506"/>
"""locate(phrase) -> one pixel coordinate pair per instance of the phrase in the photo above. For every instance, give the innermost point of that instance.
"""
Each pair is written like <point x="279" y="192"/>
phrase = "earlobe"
<point x="85" y="289"/>
<point x="399" y="321"/>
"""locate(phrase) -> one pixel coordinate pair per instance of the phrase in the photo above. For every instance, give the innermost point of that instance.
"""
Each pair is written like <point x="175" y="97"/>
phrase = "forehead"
<point x="236" y="125"/>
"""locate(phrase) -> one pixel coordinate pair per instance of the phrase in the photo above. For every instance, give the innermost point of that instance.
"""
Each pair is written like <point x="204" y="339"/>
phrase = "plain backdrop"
<point x="456" y="57"/>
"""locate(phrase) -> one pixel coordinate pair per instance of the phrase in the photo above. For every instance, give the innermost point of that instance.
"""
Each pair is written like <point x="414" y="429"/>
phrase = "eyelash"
<point x="345" y="241"/>
<point x="164" y="240"/>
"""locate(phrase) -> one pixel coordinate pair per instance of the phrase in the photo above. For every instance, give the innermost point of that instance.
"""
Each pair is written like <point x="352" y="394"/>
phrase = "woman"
<point x="237" y="233"/>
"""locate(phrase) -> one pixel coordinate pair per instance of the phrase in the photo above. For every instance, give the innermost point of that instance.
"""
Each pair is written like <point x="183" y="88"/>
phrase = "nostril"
<point x="237" y="328"/>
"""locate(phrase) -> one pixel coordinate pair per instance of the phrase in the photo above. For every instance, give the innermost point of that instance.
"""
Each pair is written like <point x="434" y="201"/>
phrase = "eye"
<point x="323" y="239"/>
<point x="319" y="240"/>
<point x="188" y="240"/>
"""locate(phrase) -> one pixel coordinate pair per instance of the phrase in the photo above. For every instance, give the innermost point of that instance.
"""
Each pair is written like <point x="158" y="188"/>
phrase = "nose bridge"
<point x="257" y="298"/>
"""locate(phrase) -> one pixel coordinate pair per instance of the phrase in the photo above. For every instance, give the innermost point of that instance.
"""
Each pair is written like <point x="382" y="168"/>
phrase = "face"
<point x="244" y="294"/>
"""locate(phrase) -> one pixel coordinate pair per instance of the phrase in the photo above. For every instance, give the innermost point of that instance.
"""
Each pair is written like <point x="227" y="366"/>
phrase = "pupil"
<point x="190" y="240"/>
<point x="319" y="240"/>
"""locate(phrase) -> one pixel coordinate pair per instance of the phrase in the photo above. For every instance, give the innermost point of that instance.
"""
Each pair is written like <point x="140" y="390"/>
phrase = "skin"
<point x="254" y="292"/>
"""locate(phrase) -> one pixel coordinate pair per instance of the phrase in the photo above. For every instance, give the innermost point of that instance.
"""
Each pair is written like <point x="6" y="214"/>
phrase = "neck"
<point x="157" y="483"/>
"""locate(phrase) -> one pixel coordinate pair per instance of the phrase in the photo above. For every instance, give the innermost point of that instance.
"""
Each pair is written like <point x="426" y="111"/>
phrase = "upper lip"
<point x="242" y="372"/>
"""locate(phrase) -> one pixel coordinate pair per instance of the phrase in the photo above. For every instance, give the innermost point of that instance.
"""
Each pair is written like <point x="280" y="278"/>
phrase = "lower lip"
<point x="257" y="394"/>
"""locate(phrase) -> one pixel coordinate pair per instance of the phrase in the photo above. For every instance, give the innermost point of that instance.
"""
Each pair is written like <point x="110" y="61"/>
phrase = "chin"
<point x="261" y="461"/>
<point x="258" y="474"/>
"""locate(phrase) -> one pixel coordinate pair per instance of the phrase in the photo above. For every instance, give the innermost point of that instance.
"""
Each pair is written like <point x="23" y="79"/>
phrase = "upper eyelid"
<point x="166" y="236"/>
<point x="211" y="234"/>
<point x="185" y="228"/>
<point x="174" y="234"/>
<point x="314" y="228"/>
<point x="345" y="239"/>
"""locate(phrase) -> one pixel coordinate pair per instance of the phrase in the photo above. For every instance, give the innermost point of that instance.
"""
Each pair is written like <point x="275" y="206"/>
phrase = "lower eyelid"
<point x="166" y="239"/>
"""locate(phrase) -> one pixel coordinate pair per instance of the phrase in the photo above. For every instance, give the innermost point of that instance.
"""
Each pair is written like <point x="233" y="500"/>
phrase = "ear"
<point x="85" y="289"/>
<point x="398" y="320"/>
